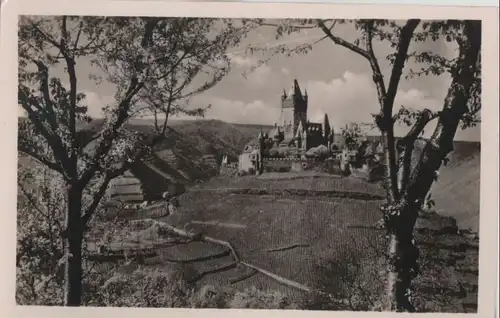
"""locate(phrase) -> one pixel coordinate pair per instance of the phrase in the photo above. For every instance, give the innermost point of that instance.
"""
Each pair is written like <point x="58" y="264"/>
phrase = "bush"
<point x="144" y="288"/>
<point x="281" y="152"/>
<point x="321" y="152"/>
<point x="242" y="173"/>
<point x="257" y="299"/>
<point x="273" y="153"/>
<point x="40" y="214"/>
<point x="147" y="287"/>
<point x="351" y="283"/>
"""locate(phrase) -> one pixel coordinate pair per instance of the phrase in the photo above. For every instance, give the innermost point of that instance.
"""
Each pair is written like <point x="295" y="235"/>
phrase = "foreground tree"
<point x="407" y="185"/>
<point x="155" y="65"/>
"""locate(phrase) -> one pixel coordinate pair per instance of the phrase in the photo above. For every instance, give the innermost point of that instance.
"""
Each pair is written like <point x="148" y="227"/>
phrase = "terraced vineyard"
<point x="301" y="234"/>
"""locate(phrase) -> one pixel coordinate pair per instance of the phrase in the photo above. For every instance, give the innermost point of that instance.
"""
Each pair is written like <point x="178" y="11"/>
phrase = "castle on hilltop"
<point x="294" y="129"/>
<point x="293" y="136"/>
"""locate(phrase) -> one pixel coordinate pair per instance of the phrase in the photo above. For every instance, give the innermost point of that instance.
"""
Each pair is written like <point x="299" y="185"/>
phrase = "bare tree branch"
<point x="404" y="40"/>
<point x="96" y="199"/>
<point x="339" y="41"/>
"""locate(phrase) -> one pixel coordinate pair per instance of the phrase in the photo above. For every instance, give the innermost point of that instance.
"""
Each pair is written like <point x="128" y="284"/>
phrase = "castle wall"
<point x="244" y="162"/>
<point x="300" y="116"/>
<point x="287" y="116"/>
<point x="314" y="139"/>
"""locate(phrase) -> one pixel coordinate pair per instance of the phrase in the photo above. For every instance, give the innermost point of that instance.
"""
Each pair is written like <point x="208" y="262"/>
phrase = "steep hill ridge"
<point x="457" y="192"/>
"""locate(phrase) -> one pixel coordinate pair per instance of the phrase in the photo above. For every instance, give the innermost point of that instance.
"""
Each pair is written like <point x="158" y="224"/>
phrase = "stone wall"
<point x="244" y="162"/>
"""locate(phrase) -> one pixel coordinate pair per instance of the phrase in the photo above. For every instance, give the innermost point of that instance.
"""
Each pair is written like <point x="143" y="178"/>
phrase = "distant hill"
<point x="190" y="152"/>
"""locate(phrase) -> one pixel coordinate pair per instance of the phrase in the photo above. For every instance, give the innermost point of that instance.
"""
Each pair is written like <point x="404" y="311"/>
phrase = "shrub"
<point x="281" y="152"/>
<point x="257" y="299"/>
<point x="242" y="173"/>
<point x="39" y="244"/>
<point x="318" y="152"/>
<point x="273" y="153"/>
<point x="144" y="288"/>
<point x="209" y="296"/>
<point x="351" y="283"/>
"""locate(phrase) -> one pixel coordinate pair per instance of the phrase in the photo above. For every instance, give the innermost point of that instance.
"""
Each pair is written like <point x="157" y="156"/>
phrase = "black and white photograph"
<point x="299" y="163"/>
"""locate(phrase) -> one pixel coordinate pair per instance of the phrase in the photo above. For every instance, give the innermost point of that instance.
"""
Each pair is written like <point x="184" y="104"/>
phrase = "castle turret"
<point x="259" y="164"/>
<point x="326" y="126"/>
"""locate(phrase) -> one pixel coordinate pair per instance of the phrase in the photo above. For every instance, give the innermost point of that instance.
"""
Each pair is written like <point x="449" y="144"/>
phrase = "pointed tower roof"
<point x="326" y="122"/>
<point x="261" y="134"/>
<point x="296" y="88"/>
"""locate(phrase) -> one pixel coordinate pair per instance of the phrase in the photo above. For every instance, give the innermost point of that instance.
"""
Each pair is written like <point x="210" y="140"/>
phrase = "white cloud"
<point x="236" y="111"/>
<point x="260" y="76"/>
<point x="285" y="71"/>
<point x="353" y="98"/>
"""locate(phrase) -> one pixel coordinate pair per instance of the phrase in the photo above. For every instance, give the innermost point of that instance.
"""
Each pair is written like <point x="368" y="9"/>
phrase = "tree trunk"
<point x="73" y="249"/>
<point x="402" y="259"/>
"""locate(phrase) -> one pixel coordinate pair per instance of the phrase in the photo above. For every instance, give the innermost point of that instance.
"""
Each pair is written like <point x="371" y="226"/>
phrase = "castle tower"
<point x="326" y="130"/>
<point x="260" y="165"/>
<point x="293" y="109"/>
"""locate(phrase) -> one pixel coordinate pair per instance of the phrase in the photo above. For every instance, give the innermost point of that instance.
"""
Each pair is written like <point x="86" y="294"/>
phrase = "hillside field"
<point x="329" y="219"/>
<point x="326" y="232"/>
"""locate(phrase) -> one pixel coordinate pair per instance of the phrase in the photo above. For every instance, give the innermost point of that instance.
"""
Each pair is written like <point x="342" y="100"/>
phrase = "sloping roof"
<point x="251" y="145"/>
<point x="126" y="188"/>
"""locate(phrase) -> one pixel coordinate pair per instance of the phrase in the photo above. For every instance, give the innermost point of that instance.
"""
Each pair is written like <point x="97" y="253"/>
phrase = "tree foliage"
<point x="154" y="65"/>
<point x="353" y="135"/>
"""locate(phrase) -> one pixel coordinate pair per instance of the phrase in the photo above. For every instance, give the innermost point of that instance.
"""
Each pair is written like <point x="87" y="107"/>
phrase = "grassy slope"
<point x="332" y="227"/>
<point x="335" y="230"/>
<point x="457" y="192"/>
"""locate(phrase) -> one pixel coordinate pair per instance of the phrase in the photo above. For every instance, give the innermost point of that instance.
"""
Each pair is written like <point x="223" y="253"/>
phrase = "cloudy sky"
<point x="338" y="83"/>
